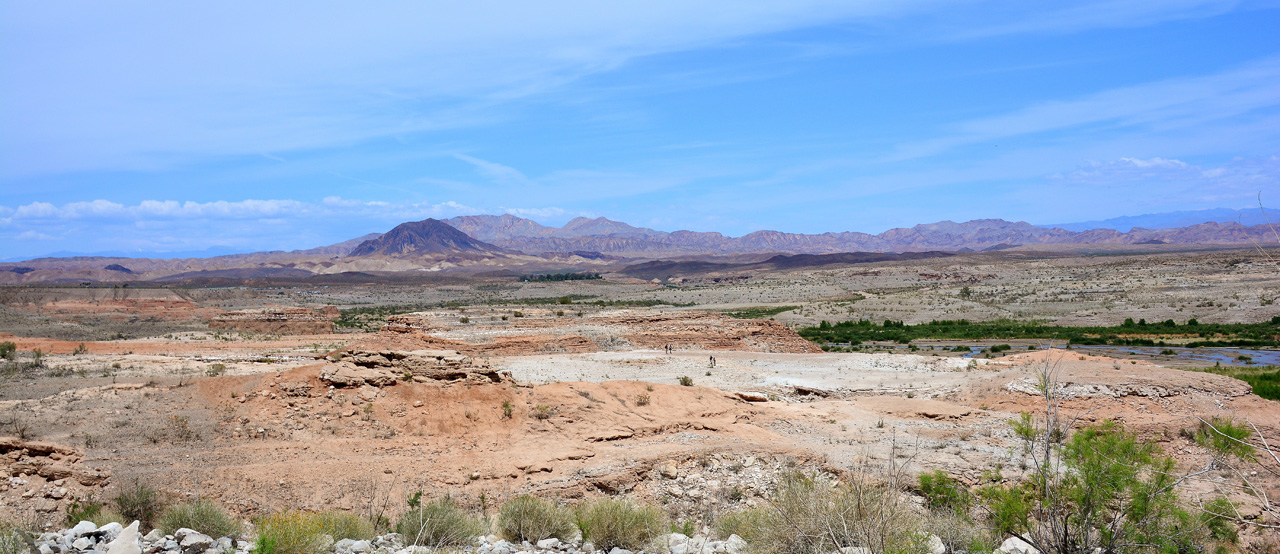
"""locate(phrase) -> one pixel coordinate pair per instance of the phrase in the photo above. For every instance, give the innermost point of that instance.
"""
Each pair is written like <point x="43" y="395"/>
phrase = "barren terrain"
<point x="495" y="387"/>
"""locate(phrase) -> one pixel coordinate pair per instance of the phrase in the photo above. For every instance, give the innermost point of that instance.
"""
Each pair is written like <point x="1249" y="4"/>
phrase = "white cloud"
<point x="249" y="225"/>
<point x="1235" y="183"/>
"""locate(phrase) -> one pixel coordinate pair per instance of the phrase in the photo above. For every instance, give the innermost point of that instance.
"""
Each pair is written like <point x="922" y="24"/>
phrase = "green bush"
<point x="941" y="492"/>
<point x="527" y="518"/>
<point x="203" y="516"/>
<point x="345" y="525"/>
<point x="612" y="523"/>
<point x="1102" y="488"/>
<point x="140" y="502"/>
<point x="78" y="511"/>
<point x="439" y="523"/>
<point x="290" y="532"/>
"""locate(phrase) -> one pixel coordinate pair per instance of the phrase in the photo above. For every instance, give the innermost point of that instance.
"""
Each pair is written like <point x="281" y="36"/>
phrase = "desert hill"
<point x="423" y="238"/>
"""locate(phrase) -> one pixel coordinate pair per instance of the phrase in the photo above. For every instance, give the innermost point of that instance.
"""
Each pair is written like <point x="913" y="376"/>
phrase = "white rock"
<point x="588" y="547"/>
<point x="549" y="544"/>
<point x="192" y="541"/>
<point x="155" y="535"/>
<point x="82" y="543"/>
<point x="82" y="528"/>
<point x="617" y="550"/>
<point x="344" y="544"/>
<point x="855" y="550"/>
<point x="112" y="529"/>
<point x="935" y="545"/>
<point x="361" y="546"/>
<point x="735" y="545"/>
<point x="1015" y="545"/>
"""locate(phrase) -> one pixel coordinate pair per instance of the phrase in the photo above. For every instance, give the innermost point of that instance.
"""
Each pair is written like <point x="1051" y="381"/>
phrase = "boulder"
<point x="1015" y="545"/>
<point x="192" y="541"/>
<point x="935" y="545"/>
<point x="126" y="541"/>
<point x="735" y="545"/>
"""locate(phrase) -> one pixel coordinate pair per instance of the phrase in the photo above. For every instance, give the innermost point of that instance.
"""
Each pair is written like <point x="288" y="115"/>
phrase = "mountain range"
<point x="510" y="244"/>
<point x="620" y="239"/>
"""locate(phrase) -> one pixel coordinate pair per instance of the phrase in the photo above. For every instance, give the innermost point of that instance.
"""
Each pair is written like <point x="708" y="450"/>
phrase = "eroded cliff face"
<point x="278" y="321"/>
<point x="387" y="367"/>
<point x="620" y="330"/>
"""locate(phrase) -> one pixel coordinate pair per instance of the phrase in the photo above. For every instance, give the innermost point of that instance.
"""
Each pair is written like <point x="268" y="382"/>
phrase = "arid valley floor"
<point x="570" y="390"/>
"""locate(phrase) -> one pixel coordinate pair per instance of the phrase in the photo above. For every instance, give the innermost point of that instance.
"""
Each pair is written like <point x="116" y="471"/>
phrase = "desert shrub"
<point x="685" y="381"/>
<point x="614" y="523"/>
<point x="528" y="518"/>
<point x="941" y="492"/>
<point x="108" y="515"/>
<point x="11" y="539"/>
<point x="290" y="532"/>
<point x="642" y="400"/>
<point x="203" y="516"/>
<point x="8" y="350"/>
<point x="542" y="412"/>
<point x="1101" y="488"/>
<point x="78" y="511"/>
<point x="440" y="522"/>
<point x="1225" y="436"/>
<point x="138" y="501"/>
<point x="808" y="515"/>
<point x="345" y="525"/>
<point x="216" y="370"/>
<point x="748" y="524"/>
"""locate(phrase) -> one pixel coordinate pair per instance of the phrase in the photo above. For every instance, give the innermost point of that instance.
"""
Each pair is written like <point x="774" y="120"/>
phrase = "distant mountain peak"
<point x="424" y="238"/>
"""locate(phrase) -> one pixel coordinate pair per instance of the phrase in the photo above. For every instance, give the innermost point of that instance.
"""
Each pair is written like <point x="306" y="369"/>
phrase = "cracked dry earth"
<point x="571" y="425"/>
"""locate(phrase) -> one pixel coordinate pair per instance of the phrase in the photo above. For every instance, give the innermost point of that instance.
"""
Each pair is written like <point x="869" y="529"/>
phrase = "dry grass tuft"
<point x="528" y="518"/>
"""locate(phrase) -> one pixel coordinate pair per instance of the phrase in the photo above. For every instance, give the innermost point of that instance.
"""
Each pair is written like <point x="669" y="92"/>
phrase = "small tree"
<point x="1101" y="489"/>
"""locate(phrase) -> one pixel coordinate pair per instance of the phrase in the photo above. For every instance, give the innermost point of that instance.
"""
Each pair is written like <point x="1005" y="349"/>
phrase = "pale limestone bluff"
<point x="127" y="542"/>
<point x="387" y="367"/>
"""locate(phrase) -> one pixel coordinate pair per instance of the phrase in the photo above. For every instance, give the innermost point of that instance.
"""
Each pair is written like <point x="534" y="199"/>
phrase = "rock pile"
<point x="382" y="368"/>
<point x="113" y="538"/>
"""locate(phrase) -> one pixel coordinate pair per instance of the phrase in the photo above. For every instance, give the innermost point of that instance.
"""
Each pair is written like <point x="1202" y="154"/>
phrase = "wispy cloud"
<point x="103" y="87"/>
<point x="1161" y="105"/>
<point x="496" y="172"/>
<point x="1236" y="182"/>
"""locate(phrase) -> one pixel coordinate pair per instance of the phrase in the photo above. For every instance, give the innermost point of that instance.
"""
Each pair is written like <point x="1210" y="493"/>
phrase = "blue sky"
<point x="161" y="126"/>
